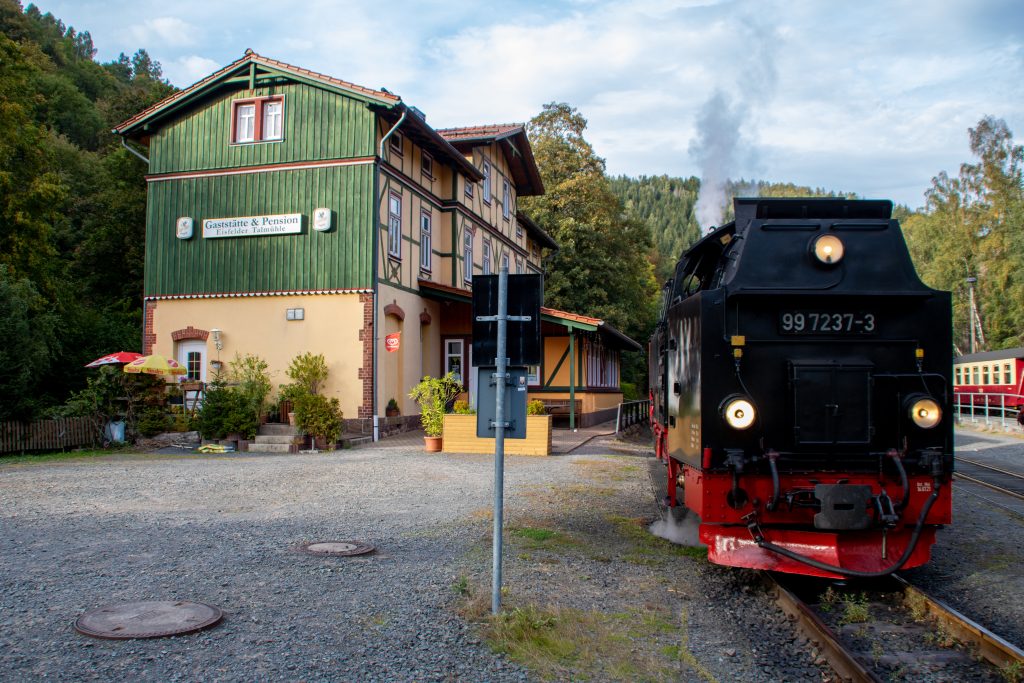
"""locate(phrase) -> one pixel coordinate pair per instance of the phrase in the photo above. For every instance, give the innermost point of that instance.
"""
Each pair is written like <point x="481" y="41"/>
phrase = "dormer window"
<point x="257" y="120"/>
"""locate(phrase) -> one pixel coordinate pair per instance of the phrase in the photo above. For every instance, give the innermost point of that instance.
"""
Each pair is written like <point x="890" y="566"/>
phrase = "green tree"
<point x="602" y="267"/>
<point x="973" y="226"/>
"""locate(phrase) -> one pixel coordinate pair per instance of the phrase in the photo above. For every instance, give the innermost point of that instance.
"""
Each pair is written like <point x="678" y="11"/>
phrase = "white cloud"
<point x="187" y="70"/>
<point x="164" y="32"/>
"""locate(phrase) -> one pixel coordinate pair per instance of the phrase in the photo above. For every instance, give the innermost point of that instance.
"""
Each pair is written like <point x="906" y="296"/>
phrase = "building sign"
<point x="393" y="341"/>
<point x="253" y="226"/>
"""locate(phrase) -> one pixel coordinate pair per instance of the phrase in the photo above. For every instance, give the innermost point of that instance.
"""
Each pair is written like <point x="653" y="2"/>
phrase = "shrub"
<point x="461" y="407"/>
<point x="226" y="411"/>
<point x="309" y="371"/>
<point x="629" y="391"/>
<point x="433" y="394"/>
<point x="253" y="381"/>
<point x="319" y="416"/>
<point x="536" y="407"/>
<point x="153" y="421"/>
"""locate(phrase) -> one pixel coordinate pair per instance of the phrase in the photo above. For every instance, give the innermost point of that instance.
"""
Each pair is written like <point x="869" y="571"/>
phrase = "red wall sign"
<point x="393" y="341"/>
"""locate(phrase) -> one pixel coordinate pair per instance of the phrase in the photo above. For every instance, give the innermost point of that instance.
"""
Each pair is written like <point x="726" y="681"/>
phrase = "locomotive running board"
<point x="858" y="550"/>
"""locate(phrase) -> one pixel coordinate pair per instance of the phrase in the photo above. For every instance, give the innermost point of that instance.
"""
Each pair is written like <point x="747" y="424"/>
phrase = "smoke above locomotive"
<point x="801" y="390"/>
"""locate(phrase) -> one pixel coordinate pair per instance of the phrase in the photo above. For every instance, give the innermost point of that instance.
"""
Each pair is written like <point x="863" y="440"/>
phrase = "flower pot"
<point x="433" y="444"/>
<point x="392" y="412"/>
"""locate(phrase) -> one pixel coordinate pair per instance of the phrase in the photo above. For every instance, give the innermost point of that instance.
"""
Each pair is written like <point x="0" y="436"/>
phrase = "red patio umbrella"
<point x="119" y="358"/>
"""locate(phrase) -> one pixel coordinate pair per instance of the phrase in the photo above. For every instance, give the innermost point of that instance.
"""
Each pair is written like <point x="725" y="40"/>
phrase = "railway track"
<point x="888" y="630"/>
<point x="995" y="478"/>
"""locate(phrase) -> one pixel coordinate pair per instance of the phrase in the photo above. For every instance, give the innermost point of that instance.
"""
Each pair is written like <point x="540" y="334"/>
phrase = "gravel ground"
<point x="219" y="529"/>
<point x="78" y="535"/>
<point x="976" y="562"/>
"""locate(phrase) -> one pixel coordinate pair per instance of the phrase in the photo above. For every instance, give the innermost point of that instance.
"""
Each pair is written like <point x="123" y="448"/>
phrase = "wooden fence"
<point x="47" y="435"/>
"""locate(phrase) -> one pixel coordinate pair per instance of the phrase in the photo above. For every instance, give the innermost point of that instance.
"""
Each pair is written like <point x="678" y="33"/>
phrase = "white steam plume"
<point x="719" y="147"/>
<point x="683" y="531"/>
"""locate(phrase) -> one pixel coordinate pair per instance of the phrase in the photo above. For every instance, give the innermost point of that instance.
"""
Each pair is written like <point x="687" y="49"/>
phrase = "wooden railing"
<point x="47" y="435"/>
<point x="631" y="413"/>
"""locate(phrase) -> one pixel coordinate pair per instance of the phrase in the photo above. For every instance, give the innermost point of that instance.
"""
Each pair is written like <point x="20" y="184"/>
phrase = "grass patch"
<point x="539" y="538"/>
<point x="62" y="457"/>
<point x="580" y="645"/>
<point x="1012" y="672"/>
<point x="828" y="600"/>
<point x="648" y="549"/>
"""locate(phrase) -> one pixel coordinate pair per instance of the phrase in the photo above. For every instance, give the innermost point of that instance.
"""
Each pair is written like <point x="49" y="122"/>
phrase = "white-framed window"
<point x="984" y="374"/>
<point x="1007" y="374"/>
<point x="506" y="200"/>
<point x="394" y="225"/>
<point x="467" y="257"/>
<point x="245" y="122"/>
<point x="519" y="266"/>
<point x="504" y="261"/>
<point x="487" y="181"/>
<point x="453" y="358"/>
<point x="273" y="117"/>
<point x="533" y="375"/>
<point x="602" y="366"/>
<point x="486" y="257"/>
<point x="519" y="229"/>
<point x="259" y="119"/>
<point x="957" y="377"/>
<point x="469" y="188"/>
<point x="397" y="143"/>
<point x="427" y="165"/>
<point x="425" y="242"/>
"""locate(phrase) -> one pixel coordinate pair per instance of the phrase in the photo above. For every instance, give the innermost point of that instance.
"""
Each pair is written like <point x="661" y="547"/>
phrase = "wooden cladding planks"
<point x="318" y="125"/>
<point x="47" y="435"/>
<point x="340" y="258"/>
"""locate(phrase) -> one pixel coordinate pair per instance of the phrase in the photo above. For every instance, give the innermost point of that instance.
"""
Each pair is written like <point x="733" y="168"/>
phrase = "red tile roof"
<point x="251" y="56"/>
<point x="494" y="130"/>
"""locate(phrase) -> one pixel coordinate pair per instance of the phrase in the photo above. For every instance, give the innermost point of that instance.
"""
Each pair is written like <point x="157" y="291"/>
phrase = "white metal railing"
<point x="988" y="407"/>
<point x="631" y="413"/>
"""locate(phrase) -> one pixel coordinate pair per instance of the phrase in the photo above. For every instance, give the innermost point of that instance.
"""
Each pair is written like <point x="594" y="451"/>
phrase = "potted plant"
<point x="433" y="394"/>
<point x="392" y="409"/>
<point x="308" y="372"/>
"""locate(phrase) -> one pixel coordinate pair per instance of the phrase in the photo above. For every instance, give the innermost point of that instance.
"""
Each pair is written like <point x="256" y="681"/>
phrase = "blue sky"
<point x="868" y="96"/>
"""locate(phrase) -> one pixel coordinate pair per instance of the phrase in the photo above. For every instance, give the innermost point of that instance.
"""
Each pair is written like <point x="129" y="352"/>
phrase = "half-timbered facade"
<point x="290" y="211"/>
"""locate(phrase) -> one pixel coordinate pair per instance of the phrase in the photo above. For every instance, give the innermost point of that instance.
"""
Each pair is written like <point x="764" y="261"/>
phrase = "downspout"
<point x="124" y="144"/>
<point x="376" y="265"/>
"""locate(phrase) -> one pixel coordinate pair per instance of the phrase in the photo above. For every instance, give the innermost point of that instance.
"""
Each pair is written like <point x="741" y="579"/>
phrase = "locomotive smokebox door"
<point x="831" y="403"/>
<point x="844" y="507"/>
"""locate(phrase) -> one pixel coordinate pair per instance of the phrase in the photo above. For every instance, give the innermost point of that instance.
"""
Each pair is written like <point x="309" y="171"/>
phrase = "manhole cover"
<point x="339" y="548"/>
<point x="153" y="619"/>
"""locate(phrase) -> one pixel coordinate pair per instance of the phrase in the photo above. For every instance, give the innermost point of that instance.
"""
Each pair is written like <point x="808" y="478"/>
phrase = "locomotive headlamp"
<point x="738" y="412"/>
<point x="828" y="249"/>
<point x="925" y="411"/>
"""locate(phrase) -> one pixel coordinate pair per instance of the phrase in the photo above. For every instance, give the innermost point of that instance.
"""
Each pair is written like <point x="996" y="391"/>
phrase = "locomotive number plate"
<point x="826" y="322"/>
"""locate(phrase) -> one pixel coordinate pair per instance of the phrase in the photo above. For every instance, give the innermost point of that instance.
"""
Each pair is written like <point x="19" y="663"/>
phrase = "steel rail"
<point x="1015" y="475"/>
<point x="844" y="662"/>
<point x="994" y="649"/>
<point x="994" y="487"/>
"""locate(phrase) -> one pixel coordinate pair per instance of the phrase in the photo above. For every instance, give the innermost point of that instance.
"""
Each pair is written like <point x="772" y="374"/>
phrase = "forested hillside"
<point x="665" y="205"/>
<point x="72" y="206"/>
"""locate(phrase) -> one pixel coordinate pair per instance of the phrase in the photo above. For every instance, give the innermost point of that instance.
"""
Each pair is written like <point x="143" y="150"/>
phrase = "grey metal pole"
<point x="499" y="438"/>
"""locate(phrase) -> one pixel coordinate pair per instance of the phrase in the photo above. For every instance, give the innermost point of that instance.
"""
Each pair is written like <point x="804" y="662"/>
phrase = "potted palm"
<point x="433" y="394"/>
<point x="392" y="409"/>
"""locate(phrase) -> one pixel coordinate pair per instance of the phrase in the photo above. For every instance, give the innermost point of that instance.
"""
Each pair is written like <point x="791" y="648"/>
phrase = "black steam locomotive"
<point x="801" y="390"/>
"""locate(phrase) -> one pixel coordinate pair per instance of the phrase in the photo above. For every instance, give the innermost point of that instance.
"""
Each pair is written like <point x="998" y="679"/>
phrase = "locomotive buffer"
<point x="493" y="354"/>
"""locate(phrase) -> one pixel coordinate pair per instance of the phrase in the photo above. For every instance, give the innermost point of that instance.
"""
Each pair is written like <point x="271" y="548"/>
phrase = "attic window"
<point x="397" y="143"/>
<point x="257" y="120"/>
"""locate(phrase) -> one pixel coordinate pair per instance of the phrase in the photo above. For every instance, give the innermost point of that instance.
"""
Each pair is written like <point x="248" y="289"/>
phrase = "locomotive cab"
<point x="802" y="390"/>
